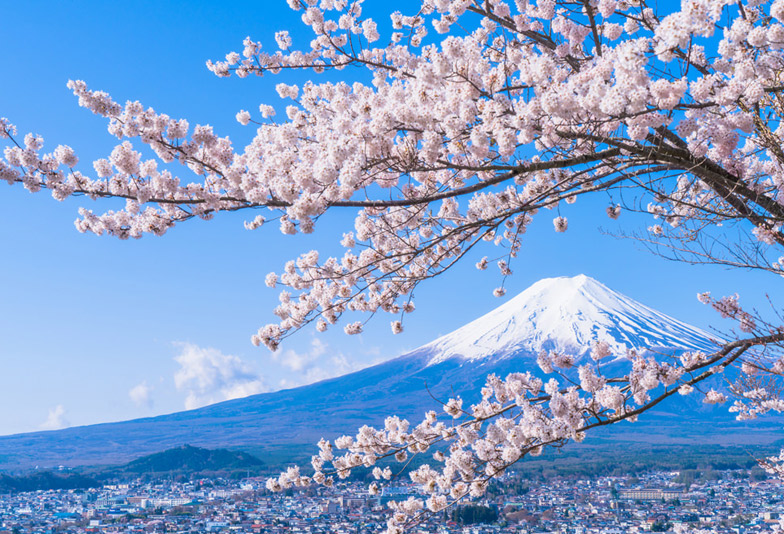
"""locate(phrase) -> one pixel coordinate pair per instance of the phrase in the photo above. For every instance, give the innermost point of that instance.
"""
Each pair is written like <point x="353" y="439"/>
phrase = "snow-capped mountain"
<point x="567" y="315"/>
<point x="564" y="314"/>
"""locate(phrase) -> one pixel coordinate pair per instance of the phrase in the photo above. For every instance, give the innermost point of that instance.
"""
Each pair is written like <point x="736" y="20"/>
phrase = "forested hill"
<point x="188" y="459"/>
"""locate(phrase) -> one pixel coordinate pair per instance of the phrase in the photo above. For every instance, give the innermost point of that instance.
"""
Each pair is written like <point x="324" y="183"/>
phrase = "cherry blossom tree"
<point x="472" y="119"/>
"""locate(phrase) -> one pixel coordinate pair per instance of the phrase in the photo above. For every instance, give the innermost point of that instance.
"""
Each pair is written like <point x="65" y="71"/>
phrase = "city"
<point x="654" y="502"/>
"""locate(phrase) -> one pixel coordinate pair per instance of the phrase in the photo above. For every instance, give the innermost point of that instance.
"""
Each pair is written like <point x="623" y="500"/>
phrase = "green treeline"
<point x="474" y="513"/>
<point x="46" y="480"/>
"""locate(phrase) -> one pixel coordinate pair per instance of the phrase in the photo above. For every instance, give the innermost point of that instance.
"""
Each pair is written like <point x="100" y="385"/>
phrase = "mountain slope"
<point x="556" y="313"/>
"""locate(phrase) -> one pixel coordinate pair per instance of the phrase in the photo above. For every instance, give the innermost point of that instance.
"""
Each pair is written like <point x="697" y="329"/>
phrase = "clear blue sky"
<point x="92" y="327"/>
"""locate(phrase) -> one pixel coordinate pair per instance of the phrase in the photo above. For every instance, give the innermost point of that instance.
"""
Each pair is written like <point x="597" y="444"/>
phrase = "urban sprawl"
<point x="605" y="505"/>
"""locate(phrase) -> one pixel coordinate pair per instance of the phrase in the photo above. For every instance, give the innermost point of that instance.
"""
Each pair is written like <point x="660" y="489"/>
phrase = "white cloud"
<point x="319" y="363"/>
<point x="56" y="419"/>
<point x="140" y="394"/>
<point x="243" y="389"/>
<point x="207" y="375"/>
<point x="297" y="361"/>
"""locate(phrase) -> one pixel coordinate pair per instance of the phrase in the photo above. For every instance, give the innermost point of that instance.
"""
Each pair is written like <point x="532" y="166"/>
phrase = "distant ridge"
<point x="560" y="313"/>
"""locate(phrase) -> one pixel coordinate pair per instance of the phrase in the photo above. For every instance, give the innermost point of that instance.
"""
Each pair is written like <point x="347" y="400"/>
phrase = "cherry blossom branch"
<point x="517" y="417"/>
<point x="458" y="141"/>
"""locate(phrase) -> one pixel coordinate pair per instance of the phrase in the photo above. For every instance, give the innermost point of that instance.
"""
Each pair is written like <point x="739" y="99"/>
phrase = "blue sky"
<point x="94" y="329"/>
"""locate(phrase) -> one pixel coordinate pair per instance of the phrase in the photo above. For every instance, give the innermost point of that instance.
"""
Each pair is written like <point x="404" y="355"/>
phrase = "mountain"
<point x="556" y="313"/>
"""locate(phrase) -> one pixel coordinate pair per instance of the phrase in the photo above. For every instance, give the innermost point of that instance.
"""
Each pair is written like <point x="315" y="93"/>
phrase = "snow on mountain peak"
<point x="567" y="314"/>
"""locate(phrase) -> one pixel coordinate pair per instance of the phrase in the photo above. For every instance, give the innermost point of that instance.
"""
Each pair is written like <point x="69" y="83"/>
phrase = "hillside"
<point x="189" y="459"/>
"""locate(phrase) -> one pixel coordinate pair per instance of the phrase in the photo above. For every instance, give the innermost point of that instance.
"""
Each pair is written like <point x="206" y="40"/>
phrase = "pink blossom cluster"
<point x="729" y="308"/>
<point x="752" y="403"/>
<point x="774" y="465"/>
